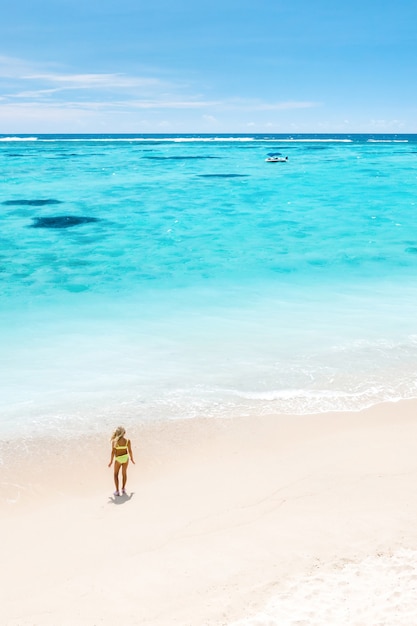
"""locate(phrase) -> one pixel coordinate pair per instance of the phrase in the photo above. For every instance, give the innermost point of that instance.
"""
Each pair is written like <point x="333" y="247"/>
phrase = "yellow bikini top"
<point x="122" y="447"/>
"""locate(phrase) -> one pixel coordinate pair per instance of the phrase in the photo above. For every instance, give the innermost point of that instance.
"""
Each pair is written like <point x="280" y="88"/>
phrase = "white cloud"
<point x="258" y="105"/>
<point x="32" y="95"/>
<point x="36" y="118"/>
<point x="11" y="67"/>
<point x="210" y="119"/>
<point x="91" y="81"/>
<point x="386" y="125"/>
<point x="171" y="104"/>
<point x="39" y="95"/>
<point x="20" y="79"/>
<point x="285" y="106"/>
<point x="153" y="92"/>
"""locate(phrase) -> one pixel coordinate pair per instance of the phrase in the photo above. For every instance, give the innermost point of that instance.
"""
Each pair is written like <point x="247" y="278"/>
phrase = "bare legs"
<point x="117" y="467"/>
<point x="124" y="474"/>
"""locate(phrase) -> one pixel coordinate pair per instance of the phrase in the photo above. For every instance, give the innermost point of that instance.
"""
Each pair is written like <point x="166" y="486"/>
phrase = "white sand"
<point x="377" y="591"/>
<point x="281" y="520"/>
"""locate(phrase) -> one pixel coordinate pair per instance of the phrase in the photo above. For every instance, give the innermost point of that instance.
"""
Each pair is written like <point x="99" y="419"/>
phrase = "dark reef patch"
<point x="31" y="202"/>
<point x="222" y="175"/>
<point x="61" y="221"/>
<point x="78" y="155"/>
<point x="180" y="158"/>
<point x="311" y="148"/>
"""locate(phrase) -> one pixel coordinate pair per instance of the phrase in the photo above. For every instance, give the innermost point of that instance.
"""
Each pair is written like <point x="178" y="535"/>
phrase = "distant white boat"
<point x="276" y="159"/>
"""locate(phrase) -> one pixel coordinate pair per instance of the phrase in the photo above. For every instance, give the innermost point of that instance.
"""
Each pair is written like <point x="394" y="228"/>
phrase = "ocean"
<point x="158" y="277"/>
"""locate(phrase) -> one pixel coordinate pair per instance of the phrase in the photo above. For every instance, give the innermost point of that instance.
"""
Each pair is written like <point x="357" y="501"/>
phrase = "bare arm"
<point x="129" y="447"/>
<point x="112" y="456"/>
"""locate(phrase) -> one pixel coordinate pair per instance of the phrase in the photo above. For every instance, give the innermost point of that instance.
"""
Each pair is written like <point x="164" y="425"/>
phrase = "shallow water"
<point x="172" y="277"/>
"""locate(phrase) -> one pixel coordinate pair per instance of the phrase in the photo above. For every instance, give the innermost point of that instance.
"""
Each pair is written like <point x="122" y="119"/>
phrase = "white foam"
<point x="377" y="591"/>
<point x="305" y="401"/>
<point x="209" y="139"/>
<point x="175" y="139"/>
<point x="18" y="138"/>
<point x="138" y="139"/>
<point x="86" y="366"/>
<point x="387" y="140"/>
<point x="291" y="139"/>
<point x="206" y="139"/>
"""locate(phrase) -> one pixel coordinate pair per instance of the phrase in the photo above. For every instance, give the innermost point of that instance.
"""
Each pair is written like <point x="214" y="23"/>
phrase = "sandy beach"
<point x="221" y="517"/>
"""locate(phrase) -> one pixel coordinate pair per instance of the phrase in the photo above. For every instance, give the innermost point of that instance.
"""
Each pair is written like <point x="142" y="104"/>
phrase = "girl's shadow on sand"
<point x="121" y="499"/>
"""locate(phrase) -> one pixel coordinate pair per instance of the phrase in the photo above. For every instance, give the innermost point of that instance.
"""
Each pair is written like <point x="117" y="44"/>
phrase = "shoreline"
<point x="220" y="514"/>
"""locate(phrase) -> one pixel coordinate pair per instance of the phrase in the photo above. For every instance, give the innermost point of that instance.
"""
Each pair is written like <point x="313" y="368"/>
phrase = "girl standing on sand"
<point x="121" y="450"/>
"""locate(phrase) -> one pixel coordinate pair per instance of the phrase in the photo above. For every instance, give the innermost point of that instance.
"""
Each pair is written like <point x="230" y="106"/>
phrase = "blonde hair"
<point x="118" y="434"/>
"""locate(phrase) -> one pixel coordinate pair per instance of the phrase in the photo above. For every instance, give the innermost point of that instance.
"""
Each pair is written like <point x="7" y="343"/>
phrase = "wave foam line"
<point x="387" y="141"/>
<point x="173" y="139"/>
<point x="19" y="139"/>
<point x="156" y="139"/>
<point x="291" y="140"/>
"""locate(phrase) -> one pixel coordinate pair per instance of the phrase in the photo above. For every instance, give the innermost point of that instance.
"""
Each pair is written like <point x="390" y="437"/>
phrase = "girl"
<point x="120" y="451"/>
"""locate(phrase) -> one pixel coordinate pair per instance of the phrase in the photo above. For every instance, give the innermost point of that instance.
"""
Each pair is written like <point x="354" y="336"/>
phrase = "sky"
<point x="212" y="66"/>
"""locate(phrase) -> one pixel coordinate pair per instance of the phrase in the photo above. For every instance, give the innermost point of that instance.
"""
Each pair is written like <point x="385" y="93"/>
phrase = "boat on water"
<point x="276" y="159"/>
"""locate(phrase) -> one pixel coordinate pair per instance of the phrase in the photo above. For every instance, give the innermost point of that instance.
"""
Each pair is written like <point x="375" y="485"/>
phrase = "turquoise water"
<point x="160" y="277"/>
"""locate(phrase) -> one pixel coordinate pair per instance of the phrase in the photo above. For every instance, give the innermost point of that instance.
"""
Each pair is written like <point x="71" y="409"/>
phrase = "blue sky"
<point x="243" y="66"/>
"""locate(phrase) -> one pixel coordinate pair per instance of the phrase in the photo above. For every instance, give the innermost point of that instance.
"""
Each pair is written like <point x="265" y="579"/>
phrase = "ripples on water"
<point x="183" y="276"/>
